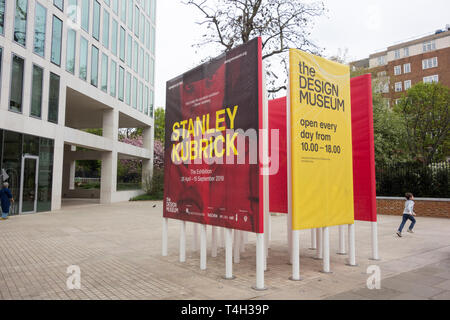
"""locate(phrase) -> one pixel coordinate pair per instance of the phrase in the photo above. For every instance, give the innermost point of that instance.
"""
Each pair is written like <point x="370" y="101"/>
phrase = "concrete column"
<point x="147" y="164"/>
<point x="72" y="175"/>
<point x="58" y="161"/>
<point x="108" y="185"/>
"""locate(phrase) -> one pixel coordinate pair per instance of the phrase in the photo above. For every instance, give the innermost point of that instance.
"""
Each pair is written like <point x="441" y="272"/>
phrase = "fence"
<point x="426" y="181"/>
<point x="87" y="180"/>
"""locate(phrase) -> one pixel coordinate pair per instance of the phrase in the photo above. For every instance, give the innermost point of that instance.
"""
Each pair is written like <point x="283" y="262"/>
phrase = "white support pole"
<point x="259" y="262"/>
<point x="195" y="237"/>
<point x="342" y="249"/>
<point x="326" y="250"/>
<point x="203" y="240"/>
<point x="295" y="255"/>
<point x="319" y="253"/>
<point x="229" y="254"/>
<point x="375" y="255"/>
<point x="269" y="228"/>
<point x="236" y="247"/>
<point x="313" y="239"/>
<point x="222" y="238"/>
<point x="289" y="174"/>
<point x="214" y="235"/>
<point x="266" y="238"/>
<point x="165" y="237"/>
<point x="183" y="242"/>
<point x="351" y="245"/>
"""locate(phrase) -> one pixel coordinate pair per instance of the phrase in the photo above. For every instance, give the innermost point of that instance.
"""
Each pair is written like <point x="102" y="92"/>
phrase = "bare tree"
<point x="282" y="24"/>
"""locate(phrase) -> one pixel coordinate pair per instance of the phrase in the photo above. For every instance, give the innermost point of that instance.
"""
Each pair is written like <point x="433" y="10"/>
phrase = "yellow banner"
<point x="321" y="142"/>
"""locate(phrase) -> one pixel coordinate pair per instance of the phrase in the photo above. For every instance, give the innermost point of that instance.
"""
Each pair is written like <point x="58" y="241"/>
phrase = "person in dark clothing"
<point x="6" y="199"/>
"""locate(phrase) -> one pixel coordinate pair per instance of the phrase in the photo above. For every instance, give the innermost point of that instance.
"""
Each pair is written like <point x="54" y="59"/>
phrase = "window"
<point x="112" y="83"/>
<point x="2" y="16"/>
<point x="136" y="21"/>
<point x="20" y="22"/>
<point x="431" y="79"/>
<point x="130" y="14"/>
<point x="123" y="11"/>
<point x="153" y="10"/>
<point x="407" y="84"/>
<point x="122" y="44"/>
<point x="17" y="72"/>
<point x="94" y="66"/>
<point x="59" y="4"/>
<point x="85" y="15"/>
<point x="136" y="56"/>
<point x="381" y="74"/>
<point x="152" y="70"/>
<point x="429" y="63"/>
<point x="397" y="54"/>
<point x="105" y="36"/>
<point x="115" y="6"/>
<point x="129" y="50"/>
<point x="429" y="46"/>
<point x="145" y="102"/>
<point x="151" y="103"/>
<point x="114" y="27"/>
<point x="406" y="52"/>
<point x="104" y="85"/>
<point x="398" y="87"/>
<point x="142" y="28"/>
<point x="107" y="2"/>
<point x="147" y="34"/>
<point x="72" y="10"/>
<point x="146" y="67"/>
<point x="407" y="68"/>
<point x="135" y="91"/>
<point x="397" y="101"/>
<point x="140" y="96"/>
<point x="121" y="83"/>
<point x="83" y="58"/>
<point x="397" y="70"/>
<point x="53" y="98"/>
<point x="96" y="21"/>
<point x="40" y="22"/>
<point x="128" y="90"/>
<point x="71" y="47"/>
<point x="56" y="41"/>
<point x="36" y="91"/>
<point x="152" y="48"/>
<point x="141" y="63"/>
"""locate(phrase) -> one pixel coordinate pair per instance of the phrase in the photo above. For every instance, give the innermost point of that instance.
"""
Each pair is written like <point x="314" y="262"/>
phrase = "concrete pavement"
<point x="118" y="249"/>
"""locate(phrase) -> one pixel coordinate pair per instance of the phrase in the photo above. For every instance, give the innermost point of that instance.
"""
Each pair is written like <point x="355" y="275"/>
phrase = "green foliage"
<point x="425" y="112"/>
<point x="154" y="186"/>
<point x="160" y="120"/>
<point x="389" y="134"/>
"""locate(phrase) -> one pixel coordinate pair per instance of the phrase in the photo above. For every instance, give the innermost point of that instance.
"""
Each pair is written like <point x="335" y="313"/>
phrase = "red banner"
<point x="278" y="183"/>
<point x="213" y="120"/>
<point x="363" y="149"/>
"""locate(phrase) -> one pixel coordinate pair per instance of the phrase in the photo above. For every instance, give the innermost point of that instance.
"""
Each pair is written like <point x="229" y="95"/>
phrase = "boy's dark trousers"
<point x="407" y="217"/>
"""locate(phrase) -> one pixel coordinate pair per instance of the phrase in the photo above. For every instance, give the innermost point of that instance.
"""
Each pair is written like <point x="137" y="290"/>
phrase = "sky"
<point x="360" y="26"/>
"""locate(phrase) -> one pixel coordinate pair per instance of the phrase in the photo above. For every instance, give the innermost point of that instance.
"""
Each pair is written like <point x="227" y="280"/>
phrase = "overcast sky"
<point x="361" y="26"/>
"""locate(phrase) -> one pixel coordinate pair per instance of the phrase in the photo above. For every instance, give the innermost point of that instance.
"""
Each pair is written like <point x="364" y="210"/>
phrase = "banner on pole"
<point x="212" y="141"/>
<point x="321" y="142"/>
<point x="363" y="149"/>
<point x="278" y="182"/>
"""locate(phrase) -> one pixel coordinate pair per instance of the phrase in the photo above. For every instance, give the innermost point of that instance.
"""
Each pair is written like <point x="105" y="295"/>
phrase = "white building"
<point x="67" y="66"/>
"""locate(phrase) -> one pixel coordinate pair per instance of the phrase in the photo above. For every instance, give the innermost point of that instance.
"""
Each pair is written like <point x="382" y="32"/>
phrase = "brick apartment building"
<point x="396" y="69"/>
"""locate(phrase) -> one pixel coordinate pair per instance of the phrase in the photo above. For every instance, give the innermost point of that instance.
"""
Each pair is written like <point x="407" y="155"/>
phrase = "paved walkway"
<point x="118" y="248"/>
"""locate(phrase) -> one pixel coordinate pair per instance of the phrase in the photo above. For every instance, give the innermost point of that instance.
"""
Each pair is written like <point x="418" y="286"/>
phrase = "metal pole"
<point x="242" y="241"/>
<point x="259" y="262"/>
<point x="236" y="247"/>
<point x="351" y="245"/>
<point x="195" y="238"/>
<point x="229" y="254"/>
<point x="375" y="255"/>
<point x="222" y="238"/>
<point x="214" y="242"/>
<point x="313" y="239"/>
<point x="165" y="237"/>
<point x="326" y="250"/>
<point x="183" y="242"/>
<point x="319" y="252"/>
<point x="289" y="236"/>
<point x="295" y="255"/>
<point x="203" y="240"/>
<point x="342" y="248"/>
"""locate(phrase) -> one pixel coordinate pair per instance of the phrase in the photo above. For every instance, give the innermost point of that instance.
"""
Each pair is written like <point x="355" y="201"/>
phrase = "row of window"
<point x="406" y="69"/>
<point x="426" y="47"/>
<point x="407" y="83"/>
<point x="16" y="89"/>
<point x="426" y="64"/>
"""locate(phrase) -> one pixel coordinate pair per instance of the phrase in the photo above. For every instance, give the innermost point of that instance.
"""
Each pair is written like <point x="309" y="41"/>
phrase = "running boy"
<point x="408" y="214"/>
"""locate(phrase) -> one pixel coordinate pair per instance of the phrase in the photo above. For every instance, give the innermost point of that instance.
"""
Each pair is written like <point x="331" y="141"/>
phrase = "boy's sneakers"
<point x="410" y="231"/>
<point x="399" y="234"/>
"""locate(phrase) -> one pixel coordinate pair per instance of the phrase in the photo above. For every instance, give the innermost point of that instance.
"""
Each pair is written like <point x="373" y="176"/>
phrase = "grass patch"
<point x="148" y="197"/>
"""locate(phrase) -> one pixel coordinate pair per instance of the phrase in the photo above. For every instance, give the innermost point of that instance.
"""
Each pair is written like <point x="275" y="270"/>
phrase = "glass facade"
<point x="71" y="49"/>
<point x="105" y="36"/>
<point x="56" y="41"/>
<point x="83" y="58"/>
<point x="135" y="90"/>
<point x="59" y="4"/>
<point x="104" y="84"/>
<point x="20" y="22"/>
<point x="130" y="14"/>
<point x="13" y="147"/>
<point x="53" y="98"/>
<point x="85" y="14"/>
<point x="114" y="30"/>
<point x="113" y="82"/>
<point x="128" y="90"/>
<point x="129" y="50"/>
<point x="72" y="10"/>
<point x="96" y="21"/>
<point x="121" y="83"/>
<point x="16" y="89"/>
<point x="36" y="91"/>
<point x="40" y="22"/>
<point x="94" y="66"/>
<point x="2" y="16"/>
<point x="122" y="44"/>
